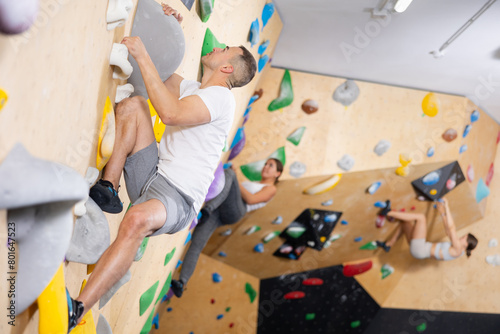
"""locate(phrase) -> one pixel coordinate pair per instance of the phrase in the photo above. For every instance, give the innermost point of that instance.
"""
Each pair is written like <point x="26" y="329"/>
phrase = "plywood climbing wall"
<point x="57" y="76"/>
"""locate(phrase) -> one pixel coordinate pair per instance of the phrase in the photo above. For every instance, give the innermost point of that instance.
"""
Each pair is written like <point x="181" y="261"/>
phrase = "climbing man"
<point x="166" y="186"/>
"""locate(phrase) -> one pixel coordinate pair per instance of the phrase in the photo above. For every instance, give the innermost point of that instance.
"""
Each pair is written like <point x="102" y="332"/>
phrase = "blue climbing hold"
<point x="188" y="238"/>
<point x="199" y="215"/>
<point x="164" y="299"/>
<point x="431" y="179"/>
<point x="466" y="130"/>
<point x="226" y="166"/>
<point x="474" y="116"/>
<point x="156" y="321"/>
<point x="358" y="239"/>
<point x="267" y="12"/>
<point x="263" y="47"/>
<point x="237" y="137"/>
<point x="178" y="264"/>
<point x="463" y="148"/>
<point x="374" y="187"/>
<point x="430" y="152"/>
<point x="380" y="204"/>
<point x="259" y="248"/>
<point x="344" y="222"/>
<point x="247" y="111"/>
<point x="327" y="203"/>
<point x="169" y="309"/>
<point x="253" y="36"/>
<point x="278" y="220"/>
<point x="220" y="316"/>
<point x="217" y="278"/>
<point x="482" y="190"/>
<point x="262" y="62"/>
<point x="222" y="254"/>
<point x="252" y="100"/>
<point x="330" y="218"/>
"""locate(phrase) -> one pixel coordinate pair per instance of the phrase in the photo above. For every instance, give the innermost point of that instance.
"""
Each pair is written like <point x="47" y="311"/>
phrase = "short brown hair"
<point x="244" y="68"/>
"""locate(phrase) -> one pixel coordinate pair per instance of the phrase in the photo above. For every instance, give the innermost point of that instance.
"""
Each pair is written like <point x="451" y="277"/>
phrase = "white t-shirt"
<point x="189" y="155"/>
<point x="253" y="188"/>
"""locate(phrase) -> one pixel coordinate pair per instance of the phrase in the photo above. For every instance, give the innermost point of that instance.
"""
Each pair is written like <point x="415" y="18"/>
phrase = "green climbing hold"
<point x="148" y="324"/>
<point x="369" y="246"/>
<point x="169" y="256"/>
<point x="355" y="324"/>
<point x="422" y="327"/>
<point x="165" y="288"/>
<point x="250" y="291"/>
<point x="210" y="42"/>
<point x="147" y="298"/>
<point x="295" y="231"/>
<point x="252" y="170"/>
<point x="310" y="316"/>
<point x="206" y="9"/>
<point x="142" y="249"/>
<point x="228" y="309"/>
<point x="279" y="154"/>
<point x="296" y="136"/>
<point x="386" y="270"/>
<point x="286" y="94"/>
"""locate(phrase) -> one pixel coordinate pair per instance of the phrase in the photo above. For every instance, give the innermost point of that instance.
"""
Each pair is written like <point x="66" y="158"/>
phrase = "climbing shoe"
<point x="387" y="208"/>
<point x="382" y="244"/>
<point x="177" y="287"/>
<point x="106" y="197"/>
<point x="75" y="311"/>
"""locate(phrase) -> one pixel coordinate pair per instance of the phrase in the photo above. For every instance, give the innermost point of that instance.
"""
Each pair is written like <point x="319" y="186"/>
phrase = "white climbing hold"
<point x="382" y="147"/>
<point x="117" y="13"/>
<point x="119" y="59"/>
<point x="346" y="162"/>
<point x="493" y="243"/>
<point x="494" y="260"/>
<point x="123" y="91"/>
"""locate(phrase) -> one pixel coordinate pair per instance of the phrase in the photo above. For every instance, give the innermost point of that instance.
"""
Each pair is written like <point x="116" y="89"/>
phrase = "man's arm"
<point x="191" y="110"/>
<point x="173" y="84"/>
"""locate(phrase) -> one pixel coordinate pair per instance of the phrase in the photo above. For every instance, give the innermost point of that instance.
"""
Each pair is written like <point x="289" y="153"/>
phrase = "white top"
<point x="189" y="155"/>
<point x="253" y="188"/>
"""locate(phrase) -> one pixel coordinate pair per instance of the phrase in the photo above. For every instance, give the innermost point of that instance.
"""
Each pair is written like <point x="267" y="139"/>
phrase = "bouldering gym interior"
<point x="384" y="115"/>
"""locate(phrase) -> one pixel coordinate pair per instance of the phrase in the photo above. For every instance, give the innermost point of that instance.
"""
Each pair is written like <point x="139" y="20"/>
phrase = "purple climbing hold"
<point x="217" y="184"/>
<point x="237" y="148"/>
<point x="217" y="278"/>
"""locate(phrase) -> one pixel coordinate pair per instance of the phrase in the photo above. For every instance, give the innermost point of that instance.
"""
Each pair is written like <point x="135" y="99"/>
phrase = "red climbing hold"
<point x="212" y="301"/>
<point x="313" y="281"/>
<point x="295" y="295"/>
<point x="231" y="325"/>
<point x="412" y="208"/>
<point x="489" y="176"/>
<point x="357" y="268"/>
<point x="402" y="210"/>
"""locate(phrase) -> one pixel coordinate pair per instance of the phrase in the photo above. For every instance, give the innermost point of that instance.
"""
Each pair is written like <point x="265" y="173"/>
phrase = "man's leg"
<point x="140" y="221"/>
<point x="134" y="132"/>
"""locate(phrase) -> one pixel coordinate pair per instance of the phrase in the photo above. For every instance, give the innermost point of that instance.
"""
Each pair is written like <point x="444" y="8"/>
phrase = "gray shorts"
<point x="420" y="249"/>
<point x="143" y="183"/>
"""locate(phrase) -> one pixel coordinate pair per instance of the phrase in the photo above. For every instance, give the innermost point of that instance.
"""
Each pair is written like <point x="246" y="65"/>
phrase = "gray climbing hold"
<point x="346" y="163"/>
<point x="111" y="292"/>
<point x="39" y="196"/>
<point x="382" y="147"/>
<point x="103" y="326"/>
<point x="297" y="169"/>
<point x="90" y="236"/>
<point x="163" y="38"/>
<point x="346" y="93"/>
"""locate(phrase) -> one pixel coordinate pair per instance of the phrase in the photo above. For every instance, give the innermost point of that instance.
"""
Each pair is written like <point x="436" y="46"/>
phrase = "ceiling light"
<point x="402" y="5"/>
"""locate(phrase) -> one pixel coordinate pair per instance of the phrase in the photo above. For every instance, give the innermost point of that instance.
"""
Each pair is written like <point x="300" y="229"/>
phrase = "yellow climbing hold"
<point x="430" y="105"/>
<point x="87" y="325"/>
<point x="404" y="170"/>
<point x="3" y="98"/>
<point x="53" y="306"/>
<point x="158" y="125"/>
<point x="106" y="139"/>
<point x="90" y="268"/>
<point x="324" y="186"/>
<point x="433" y="192"/>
